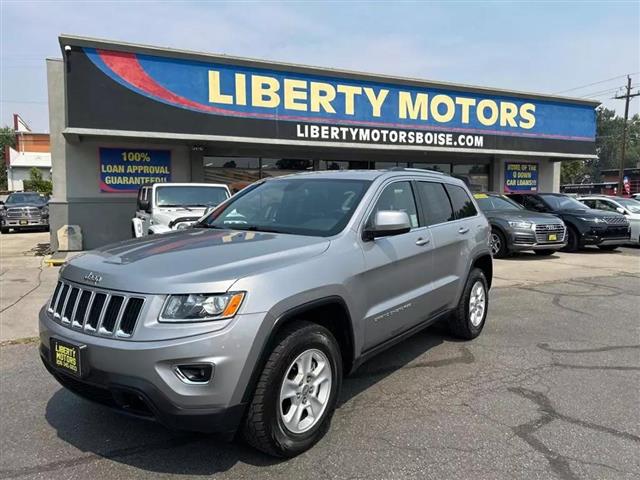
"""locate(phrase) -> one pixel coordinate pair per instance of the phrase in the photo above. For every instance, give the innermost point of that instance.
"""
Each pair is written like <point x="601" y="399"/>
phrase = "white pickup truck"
<point x="165" y="207"/>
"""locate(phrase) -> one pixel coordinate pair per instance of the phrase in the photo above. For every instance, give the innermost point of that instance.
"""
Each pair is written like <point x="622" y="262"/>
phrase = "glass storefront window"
<point x="236" y="172"/>
<point x="386" y="165"/>
<point x="275" y="167"/>
<point x="438" y="167"/>
<point x="475" y="176"/>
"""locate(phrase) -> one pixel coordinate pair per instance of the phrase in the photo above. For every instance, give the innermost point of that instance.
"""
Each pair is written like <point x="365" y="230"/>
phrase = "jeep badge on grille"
<point x="92" y="277"/>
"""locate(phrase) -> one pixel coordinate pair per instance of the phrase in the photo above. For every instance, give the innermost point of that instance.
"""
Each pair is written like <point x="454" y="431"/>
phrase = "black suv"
<point x="585" y="226"/>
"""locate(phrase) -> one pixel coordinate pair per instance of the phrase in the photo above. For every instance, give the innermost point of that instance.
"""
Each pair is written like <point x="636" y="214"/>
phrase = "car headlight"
<point x="201" y="307"/>
<point x="44" y="211"/>
<point x="593" y="219"/>
<point x="521" y="224"/>
<point x="3" y="213"/>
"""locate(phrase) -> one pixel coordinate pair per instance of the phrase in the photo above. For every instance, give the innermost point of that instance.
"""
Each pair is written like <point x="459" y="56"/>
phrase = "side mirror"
<point x="620" y="210"/>
<point x="145" y="205"/>
<point x="386" y="223"/>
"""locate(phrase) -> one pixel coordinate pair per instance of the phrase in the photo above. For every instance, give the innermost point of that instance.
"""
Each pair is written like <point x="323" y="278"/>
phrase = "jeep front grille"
<point x="96" y="312"/>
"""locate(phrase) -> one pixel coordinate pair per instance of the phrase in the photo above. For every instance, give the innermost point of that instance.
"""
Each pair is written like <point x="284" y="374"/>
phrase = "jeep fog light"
<point x="195" y="373"/>
<point x="201" y="307"/>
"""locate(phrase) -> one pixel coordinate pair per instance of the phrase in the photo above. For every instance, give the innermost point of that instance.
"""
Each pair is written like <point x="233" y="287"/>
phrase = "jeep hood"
<point x="191" y="261"/>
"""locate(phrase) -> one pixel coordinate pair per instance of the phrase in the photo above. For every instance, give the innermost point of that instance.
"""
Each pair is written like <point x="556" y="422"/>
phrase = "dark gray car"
<point x="249" y="320"/>
<point x="514" y="229"/>
<point x="24" y="211"/>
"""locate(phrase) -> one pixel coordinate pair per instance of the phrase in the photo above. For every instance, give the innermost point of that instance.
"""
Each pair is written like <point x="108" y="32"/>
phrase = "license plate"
<point x="67" y="356"/>
<point x="552" y="237"/>
<point x="24" y="222"/>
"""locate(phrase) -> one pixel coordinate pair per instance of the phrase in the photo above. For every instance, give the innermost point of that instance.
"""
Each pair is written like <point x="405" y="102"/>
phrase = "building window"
<point x="387" y="165"/>
<point x="342" y="165"/>
<point x="275" y="167"/>
<point x="475" y="176"/>
<point x="438" y="167"/>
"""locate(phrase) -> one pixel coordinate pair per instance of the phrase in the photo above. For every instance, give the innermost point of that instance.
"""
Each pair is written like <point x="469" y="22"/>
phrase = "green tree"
<point x="609" y="128"/>
<point x="7" y="139"/>
<point x="36" y="183"/>
<point x="575" y="171"/>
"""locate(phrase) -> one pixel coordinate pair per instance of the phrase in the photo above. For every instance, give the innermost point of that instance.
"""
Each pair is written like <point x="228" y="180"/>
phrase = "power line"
<point x="595" y="83"/>
<point x="601" y="92"/>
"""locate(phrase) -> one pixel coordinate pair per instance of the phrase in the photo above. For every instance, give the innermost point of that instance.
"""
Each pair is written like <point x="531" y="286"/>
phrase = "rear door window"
<point x="435" y="203"/>
<point x="463" y="206"/>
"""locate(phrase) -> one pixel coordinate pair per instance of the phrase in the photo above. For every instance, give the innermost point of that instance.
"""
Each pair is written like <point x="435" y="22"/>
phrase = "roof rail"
<point x="411" y="169"/>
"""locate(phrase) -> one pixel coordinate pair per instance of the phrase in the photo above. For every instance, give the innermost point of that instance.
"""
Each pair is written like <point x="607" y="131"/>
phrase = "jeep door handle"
<point x="463" y="230"/>
<point x="422" y="241"/>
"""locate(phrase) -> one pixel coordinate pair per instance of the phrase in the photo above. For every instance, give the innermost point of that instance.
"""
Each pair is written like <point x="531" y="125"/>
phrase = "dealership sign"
<point x="112" y="89"/>
<point x="125" y="169"/>
<point x="520" y="177"/>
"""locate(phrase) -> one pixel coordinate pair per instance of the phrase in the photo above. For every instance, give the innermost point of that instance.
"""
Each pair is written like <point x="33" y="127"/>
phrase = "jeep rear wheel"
<point x="467" y="321"/>
<point x="297" y="392"/>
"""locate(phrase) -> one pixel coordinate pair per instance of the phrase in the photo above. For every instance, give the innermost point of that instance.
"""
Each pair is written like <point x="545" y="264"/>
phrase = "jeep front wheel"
<point x="297" y="392"/>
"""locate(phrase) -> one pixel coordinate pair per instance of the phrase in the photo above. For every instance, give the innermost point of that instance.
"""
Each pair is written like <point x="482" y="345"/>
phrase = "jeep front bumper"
<point x="139" y="378"/>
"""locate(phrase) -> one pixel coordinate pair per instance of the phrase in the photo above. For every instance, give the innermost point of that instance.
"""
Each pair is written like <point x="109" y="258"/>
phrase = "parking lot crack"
<point x="546" y="347"/>
<point x="596" y="367"/>
<point x="38" y="283"/>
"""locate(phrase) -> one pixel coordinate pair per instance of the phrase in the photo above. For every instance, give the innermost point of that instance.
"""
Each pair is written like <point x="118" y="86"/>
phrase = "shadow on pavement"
<point x="146" y="445"/>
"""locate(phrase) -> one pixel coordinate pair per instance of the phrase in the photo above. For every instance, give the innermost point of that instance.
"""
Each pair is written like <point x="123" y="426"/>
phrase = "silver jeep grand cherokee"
<point x="249" y="320"/>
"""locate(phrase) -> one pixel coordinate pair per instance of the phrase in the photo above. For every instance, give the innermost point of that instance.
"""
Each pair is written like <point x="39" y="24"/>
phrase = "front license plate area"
<point x="552" y="237"/>
<point x="24" y="222"/>
<point x="67" y="356"/>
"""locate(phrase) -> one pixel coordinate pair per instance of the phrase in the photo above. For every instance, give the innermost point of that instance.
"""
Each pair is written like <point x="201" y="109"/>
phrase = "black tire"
<point x="460" y="323"/>
<point x="544" y="253"/>
<point x="263" y="427"/>
<point x="4" y="230"/>
<point x="501" y="241"/>
<point x="573" y="241"/>
<point x="608" y="248"/>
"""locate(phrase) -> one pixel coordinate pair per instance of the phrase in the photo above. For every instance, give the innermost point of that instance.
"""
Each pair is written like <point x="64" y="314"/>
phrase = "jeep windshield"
<point x="189" y="196"/>
<point x="301" y="206"/>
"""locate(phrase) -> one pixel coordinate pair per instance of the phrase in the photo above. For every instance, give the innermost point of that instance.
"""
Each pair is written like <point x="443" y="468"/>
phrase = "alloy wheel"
<point x="477" y="303"/>
<point x="305" y="391"/>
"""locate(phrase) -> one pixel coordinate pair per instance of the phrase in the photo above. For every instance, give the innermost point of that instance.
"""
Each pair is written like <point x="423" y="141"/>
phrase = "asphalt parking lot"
<point x="549" y="390"/>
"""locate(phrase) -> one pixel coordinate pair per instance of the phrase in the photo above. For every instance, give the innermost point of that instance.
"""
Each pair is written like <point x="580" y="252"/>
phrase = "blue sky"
<point x="544" y="47"/>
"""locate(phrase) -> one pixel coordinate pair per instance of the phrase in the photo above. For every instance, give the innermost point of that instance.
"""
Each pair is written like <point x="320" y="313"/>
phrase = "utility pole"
<point x="628" y="96"/>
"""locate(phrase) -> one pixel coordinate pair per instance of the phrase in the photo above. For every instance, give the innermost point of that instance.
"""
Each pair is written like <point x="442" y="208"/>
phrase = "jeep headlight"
<point x="201" y="307"/>
<point x="521" y="224"/>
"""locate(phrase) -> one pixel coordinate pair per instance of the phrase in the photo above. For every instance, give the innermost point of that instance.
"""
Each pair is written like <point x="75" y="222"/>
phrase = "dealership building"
<point x="124" y="115"/>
